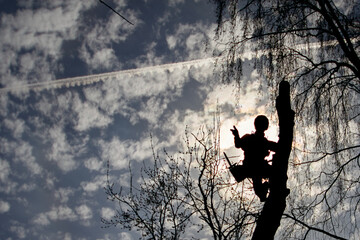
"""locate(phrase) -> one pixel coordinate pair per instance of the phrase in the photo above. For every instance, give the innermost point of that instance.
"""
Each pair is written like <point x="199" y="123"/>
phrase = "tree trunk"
<point x="274" y="207"/>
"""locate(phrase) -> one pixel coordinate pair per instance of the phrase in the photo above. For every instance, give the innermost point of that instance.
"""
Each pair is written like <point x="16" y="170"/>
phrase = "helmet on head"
<point x="261" y="123"/>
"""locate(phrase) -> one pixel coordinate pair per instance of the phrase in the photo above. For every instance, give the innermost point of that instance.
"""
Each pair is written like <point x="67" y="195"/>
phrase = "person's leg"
<point x="260" y="189"/>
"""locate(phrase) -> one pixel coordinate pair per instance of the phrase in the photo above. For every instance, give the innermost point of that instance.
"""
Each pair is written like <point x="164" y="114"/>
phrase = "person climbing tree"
<point x="256" y="147"/>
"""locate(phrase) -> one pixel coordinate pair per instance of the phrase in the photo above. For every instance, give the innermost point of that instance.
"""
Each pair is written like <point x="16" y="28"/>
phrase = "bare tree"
<point x="156" y="207"/>
<point x="194" y="189"/>
<point x="219" y="202"/>
<point x="313" y="44"/>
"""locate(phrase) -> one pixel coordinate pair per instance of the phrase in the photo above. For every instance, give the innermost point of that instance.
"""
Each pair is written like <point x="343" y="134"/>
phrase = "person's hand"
<point x="235" y="132"/>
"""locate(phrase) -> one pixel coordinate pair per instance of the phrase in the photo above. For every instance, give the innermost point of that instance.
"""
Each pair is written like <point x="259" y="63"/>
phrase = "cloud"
<point x="59" y="213"/>
<point x="173" y="3"/>
<point x="191" y="41"/>
<point x="151" y="58"/>
<point x="64" y="109"/>
<point x="159" y="87"/>
<point x="125" y="236"/>
<point x="93" y="164"/>
<point x="3" y="104"/>
<point x="153" y="109"/>
<point x="4" y="207"/>
<point x="92" y="186"/>
<point x="106" y="237"/>
<point x="41" y="219"/>
<point x="107" y="213"/>
<point x="39" y="28"/>
<point x="20" y="231"/>
<point x="23" y="153"/>
<point x="102" y="59"/>
<point x="32" y="39"/>
<point x="96" y="49"/>
<point x="62" y="213"/>
<point x="16" y="126"/>
<point x="62" y="152"/>
<point x="119" y="153"/>
<point x="171" y="41"/>
<point x="121" y="93"/>
<point x="27" y="187"/>
<point x="20" y="151"/>
<point x="84" y="212"/>
<point x="4" y="170"/>
<point x="67" y="236"/>
<point x="50" y="180"/>
<point x="89" y="116"/>
<point x="63" y="194"/>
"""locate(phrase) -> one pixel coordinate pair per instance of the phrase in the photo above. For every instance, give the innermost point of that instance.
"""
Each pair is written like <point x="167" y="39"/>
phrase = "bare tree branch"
<point x="310" y="228"/>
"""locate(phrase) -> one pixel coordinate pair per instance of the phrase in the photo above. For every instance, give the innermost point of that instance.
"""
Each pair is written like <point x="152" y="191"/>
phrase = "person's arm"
<point x="237" y="139"/>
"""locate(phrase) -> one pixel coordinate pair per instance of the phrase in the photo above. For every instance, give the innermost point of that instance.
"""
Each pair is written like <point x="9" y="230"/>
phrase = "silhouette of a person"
<point x="256" y="147"/>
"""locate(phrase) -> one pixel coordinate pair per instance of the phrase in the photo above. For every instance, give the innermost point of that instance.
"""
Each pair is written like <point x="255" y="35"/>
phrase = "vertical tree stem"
<point x="274" y="207"/>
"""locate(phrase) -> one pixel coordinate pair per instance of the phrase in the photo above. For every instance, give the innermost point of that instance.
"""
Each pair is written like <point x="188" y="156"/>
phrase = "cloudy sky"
<point x="80" y="87"/>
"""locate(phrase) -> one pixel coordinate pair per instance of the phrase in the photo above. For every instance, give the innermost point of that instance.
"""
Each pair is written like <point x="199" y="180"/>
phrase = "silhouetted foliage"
<point x="313" y="44"/>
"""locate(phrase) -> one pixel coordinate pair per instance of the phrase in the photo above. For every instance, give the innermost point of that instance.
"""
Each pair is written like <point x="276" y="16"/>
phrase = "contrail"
<point x="89" y="79"/>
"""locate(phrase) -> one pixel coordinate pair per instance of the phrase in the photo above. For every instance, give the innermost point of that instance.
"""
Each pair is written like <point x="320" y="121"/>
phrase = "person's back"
<point x="256" y="147"/>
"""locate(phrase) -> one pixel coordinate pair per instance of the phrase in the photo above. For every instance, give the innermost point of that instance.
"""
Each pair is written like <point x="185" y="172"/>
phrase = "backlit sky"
<point x="55" y="142"/>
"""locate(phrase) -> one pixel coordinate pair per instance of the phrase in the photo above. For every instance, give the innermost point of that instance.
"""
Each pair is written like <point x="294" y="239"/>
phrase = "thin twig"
<point x="115" y="12"/>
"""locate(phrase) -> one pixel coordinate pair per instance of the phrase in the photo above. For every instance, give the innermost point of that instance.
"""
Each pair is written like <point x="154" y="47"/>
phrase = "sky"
<point x="80" y="87"/>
